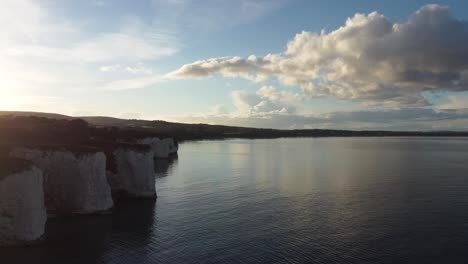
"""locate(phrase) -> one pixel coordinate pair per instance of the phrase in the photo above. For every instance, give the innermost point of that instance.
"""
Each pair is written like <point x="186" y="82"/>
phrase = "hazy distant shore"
<point x="115" y="127"/>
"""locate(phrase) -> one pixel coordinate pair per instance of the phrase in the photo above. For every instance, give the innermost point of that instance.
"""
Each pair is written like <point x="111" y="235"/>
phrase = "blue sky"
<point x="248" y="62"/>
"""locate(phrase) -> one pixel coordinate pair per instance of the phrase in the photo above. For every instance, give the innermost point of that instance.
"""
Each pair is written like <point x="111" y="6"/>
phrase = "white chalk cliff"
<point x="161" y="148"/>
<point x="134" y="173"/>
<point x="74" y="183"/>
<point x="22" y="210"/>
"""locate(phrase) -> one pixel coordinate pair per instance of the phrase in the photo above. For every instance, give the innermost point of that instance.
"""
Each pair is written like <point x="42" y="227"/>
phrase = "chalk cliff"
<point x="161" y="148"/>
<point x="135" y="171"/>
<point x="74" y="178"/>
<point x="22" y="210"/>
<point x="130" y="168"/>
<point x="173" y="145"/>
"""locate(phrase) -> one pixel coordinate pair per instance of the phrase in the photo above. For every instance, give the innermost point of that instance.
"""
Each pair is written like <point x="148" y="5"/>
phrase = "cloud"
<point x="369" y="59"/>
<point x="391" y="119"/>
<point x="34" y="31"/>
<point x="267" y="100"/>
<point x="101" y="48"/>
<point x="44" y="53"/>
<point x="272" y="94"/>
<point x="219" y="110"/>
<point x="133" y="83"/>
<point x="139" y="68"/>
<point x="455" y="102"/>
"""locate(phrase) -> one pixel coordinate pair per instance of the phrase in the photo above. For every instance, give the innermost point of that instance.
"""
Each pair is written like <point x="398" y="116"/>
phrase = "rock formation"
<point x="161" y="148"/>
<point x="74" y="178"/>
<point x="130" y="168"/>
<point x="173" y="145"/>
<point x="66" y="167"/>
<point x="22" y="211"/>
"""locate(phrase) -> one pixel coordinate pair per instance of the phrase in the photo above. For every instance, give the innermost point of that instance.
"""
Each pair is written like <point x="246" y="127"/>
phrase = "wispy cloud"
<point x="455" y="102"/>
<point x="134" y="83"/>
<point x="139" y="68"/>
<point x="43" y="52"/>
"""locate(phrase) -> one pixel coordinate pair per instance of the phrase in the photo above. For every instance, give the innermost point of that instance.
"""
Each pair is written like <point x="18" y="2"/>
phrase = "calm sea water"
<point x="325" y="200"/>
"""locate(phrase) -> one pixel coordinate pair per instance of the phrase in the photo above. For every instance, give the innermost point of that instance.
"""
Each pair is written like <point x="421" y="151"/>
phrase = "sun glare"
<point x="9" y="102"/>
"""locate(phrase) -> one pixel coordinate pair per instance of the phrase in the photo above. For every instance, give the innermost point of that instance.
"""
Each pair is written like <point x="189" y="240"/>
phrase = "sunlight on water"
<point x="326" y="200"/>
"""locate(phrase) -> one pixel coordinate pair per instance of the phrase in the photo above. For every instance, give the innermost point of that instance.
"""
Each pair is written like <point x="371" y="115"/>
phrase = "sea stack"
<point x="130" y="168"/>
<point x="22" y="210"/>
<point x="74" y="178"/>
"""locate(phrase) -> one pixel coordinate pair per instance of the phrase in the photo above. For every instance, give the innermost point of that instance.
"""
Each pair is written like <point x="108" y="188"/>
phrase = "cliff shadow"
<point x="77" y="239"/>
<point x="132" y="232"/>
<point x="164" y="167"/>
<point x="124" y="236"/>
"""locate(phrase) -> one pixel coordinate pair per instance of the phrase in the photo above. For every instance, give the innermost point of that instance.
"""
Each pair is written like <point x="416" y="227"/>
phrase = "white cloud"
<point x="393" y="119"/>
<point x="265" y="101"/>
<point x="268" y="92"/>
<point x="219" y="110"/>
<point x="139" y="69"/>
<point x="44" y="53"/>
<point x="369" y="59"/>
<point x="135" y="69"/>
<point x="271" y="93"/>
<point x="110" y="68"/>
<point x="101" y="48"/>
<point x="133" y="83"/>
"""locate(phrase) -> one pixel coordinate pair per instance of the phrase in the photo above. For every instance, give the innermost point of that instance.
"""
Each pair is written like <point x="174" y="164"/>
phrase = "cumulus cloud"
<point x="266" y="101"/>
<point x="369" y="59"/>
<point x="272" y="94"/>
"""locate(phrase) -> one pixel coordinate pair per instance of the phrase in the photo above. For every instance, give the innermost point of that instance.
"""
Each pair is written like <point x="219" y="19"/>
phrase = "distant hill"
<point x="36" y="114"/>
<point x="131" y="128"/>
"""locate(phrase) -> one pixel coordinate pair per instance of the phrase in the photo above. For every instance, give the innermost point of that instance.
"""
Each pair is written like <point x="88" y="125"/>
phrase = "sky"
<point x="400" y="65"/>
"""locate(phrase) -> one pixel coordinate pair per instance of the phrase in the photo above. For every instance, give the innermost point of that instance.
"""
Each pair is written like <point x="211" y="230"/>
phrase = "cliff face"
<point x="22" y="211"/>
<point x="161" y="148"/>
<point x="172" y="144"/>
<point x="74" y="183"/>
<point x="135" y="172"/>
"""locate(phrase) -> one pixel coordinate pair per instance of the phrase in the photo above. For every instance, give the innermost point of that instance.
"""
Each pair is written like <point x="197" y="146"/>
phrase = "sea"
<point x="289" y="200"/>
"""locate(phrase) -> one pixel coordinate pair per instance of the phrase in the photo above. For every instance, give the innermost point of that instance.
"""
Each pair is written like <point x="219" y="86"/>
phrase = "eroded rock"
<point x="162" y="148"/>
<point x="130" y="168"/>
<point x="22" y="210"/>
<point x="74" y="178"/>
